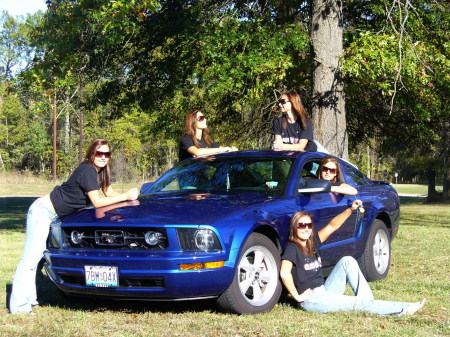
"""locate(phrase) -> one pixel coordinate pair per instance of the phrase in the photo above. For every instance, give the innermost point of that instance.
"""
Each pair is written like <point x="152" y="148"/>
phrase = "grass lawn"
<point x="42" y="188"/>
<point x="419" y="268"/>
<point x="414" y="188"/>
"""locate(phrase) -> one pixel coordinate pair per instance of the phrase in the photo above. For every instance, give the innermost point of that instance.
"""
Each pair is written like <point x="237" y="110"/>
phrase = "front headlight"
<point x="198" y="239"/>
<point x="55" y="238"/>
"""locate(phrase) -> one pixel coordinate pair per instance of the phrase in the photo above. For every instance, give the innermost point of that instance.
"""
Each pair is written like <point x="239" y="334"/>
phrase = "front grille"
<point x="151" y="282"/>
<point x="118" y="238"/>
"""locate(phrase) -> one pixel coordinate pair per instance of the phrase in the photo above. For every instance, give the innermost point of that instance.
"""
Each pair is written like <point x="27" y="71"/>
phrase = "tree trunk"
<point x="328" y="106"/>
<point x="54" y="138"/>
<point x="446" y="180"/>
<point x="1" y="163"/>
<point x="446" y="185"/>
<point x="67" y="130"/>
<point x="446" y="154"/>
<point x="432" y="194"/>
<point x="431" y="181"/>
<point x="80" y="150"/>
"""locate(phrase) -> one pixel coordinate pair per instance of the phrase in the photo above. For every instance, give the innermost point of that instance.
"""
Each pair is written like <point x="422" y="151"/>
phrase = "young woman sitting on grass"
<point x="301" y="273"/>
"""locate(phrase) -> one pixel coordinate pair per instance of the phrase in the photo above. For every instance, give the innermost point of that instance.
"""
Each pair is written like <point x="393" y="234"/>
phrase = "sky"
<point x="22" y="7"/>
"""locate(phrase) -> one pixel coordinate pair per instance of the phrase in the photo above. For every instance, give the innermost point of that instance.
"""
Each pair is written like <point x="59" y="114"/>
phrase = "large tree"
<point x="159" y="59"/>
<point x="326" y="31"/>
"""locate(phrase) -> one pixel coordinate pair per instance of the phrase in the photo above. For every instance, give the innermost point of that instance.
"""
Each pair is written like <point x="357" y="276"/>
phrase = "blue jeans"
<point x="39" y="219"/>
<point x="329" y="297"/>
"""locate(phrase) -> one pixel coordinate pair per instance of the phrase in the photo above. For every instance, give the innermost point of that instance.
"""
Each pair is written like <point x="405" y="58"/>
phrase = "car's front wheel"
<point x="376" y="258"/>
<point x="256" y="286"/>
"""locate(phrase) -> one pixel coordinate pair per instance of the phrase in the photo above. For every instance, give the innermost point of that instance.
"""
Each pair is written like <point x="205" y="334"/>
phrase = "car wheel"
<point x="256" y="286"/>
<point x="376" y="258"/>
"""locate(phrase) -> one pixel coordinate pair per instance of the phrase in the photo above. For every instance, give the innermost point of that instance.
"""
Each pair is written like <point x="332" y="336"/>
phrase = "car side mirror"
<point x="145" y="188"/>
<point x="315" y="186"/>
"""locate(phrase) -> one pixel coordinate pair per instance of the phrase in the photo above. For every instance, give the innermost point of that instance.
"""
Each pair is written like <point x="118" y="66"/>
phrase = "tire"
<point x="256" y="286"/>
<point x="376" y="258"/>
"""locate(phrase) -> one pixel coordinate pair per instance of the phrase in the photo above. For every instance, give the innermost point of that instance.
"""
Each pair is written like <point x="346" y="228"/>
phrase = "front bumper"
<point x="141" y="275"/>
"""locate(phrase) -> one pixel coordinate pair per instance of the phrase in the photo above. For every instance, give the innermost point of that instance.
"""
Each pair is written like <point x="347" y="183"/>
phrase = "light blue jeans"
<point x="329" y="297"/>
<point x="23" y="295"/>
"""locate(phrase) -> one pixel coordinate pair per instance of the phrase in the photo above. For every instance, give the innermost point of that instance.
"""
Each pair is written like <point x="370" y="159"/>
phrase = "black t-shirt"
<point x="306" y="270"/>
<point x="72" y="194"/>
<point x="186" y="142"/>
<point x="294" y="132"/>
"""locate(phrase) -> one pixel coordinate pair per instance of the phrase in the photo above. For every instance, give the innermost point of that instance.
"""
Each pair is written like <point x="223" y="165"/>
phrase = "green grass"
<point x="419" y="268"/>
<point x="415" y="188"/>
<point x="38" y="189"/>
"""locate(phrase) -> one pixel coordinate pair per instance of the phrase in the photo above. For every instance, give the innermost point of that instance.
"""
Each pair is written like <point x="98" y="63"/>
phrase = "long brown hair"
<point x="189" y="127"/>
<point x="294" y="237"/>
<point x="325" y="161"/>
<point x="297" y="106"/>
<point x="105" y="172"/>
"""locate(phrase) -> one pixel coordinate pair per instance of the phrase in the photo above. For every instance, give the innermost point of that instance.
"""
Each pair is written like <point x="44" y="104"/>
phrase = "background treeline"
<point x="129" y="70"/>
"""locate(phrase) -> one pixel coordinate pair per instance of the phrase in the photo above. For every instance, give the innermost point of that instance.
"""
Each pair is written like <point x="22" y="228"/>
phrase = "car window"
<point x="268" y="175"/>
<point x="310" y="169"/>
<point x="356" y="175"/>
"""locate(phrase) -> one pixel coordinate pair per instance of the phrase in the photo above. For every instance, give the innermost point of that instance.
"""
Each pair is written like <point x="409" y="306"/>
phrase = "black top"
<point x="294" y="132"/>
<point x="72" y="195"/>
<point x="306" y="270"/>
<point x="186" y="142"/>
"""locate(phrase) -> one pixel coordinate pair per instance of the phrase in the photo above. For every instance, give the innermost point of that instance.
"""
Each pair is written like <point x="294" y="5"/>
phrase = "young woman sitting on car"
<point x="329" y="170"/>
<point x="294" y="130"/>
<point x="301" y="272"/>
<point x="197" y="141"/>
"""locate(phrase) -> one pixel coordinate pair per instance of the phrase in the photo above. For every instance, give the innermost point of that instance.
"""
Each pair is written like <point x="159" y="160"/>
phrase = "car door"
<point x="357" y="179"/>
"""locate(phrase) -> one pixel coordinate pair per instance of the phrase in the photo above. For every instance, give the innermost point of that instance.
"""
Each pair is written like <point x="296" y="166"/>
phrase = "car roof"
<point x="262" y="153"/>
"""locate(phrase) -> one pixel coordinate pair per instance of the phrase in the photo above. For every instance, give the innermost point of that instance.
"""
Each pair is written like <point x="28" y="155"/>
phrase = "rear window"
<point x="356" y="175"/>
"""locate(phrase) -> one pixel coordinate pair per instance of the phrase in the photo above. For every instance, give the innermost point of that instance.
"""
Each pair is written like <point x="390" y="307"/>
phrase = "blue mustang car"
<point x="214" y="227"/>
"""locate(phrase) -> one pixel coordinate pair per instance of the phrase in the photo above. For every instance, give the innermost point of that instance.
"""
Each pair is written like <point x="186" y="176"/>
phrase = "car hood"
<point x="169" y="208"/>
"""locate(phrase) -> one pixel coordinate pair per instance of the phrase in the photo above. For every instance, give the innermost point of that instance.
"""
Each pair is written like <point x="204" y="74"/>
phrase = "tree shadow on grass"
<point x="13" y="212"/>
<point x="411" y="200"/>
<point x="420" y="220"/>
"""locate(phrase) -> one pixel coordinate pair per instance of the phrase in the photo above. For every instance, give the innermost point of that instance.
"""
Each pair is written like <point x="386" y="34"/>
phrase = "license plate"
<point x="101" y="276"/>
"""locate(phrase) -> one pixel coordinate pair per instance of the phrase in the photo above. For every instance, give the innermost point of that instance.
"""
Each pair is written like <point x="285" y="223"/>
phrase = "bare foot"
<point x="414" y="307"/>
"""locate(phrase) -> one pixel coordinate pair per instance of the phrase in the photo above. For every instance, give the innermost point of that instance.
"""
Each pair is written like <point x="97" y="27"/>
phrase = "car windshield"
<point x="267" y="175"/>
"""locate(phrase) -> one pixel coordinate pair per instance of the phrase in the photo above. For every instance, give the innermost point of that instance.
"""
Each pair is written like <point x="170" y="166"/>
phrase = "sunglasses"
<point x="99" y="154"/>
<point x="303" y="225"/>
<point x="283" y="101"/>
<point x="328" y="169"/>
<point x="201" y="118"/>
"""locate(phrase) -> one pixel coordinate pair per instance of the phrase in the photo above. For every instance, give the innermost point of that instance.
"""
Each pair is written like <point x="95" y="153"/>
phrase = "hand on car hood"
<point x="176" y="208"/>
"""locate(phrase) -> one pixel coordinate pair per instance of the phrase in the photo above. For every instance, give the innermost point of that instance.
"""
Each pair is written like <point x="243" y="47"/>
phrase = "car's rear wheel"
<point x="376" y="258"/>
<point x="256" y="287"/>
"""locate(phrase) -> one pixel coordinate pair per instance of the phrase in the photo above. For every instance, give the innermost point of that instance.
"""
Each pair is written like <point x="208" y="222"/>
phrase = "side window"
<point x="310" y="169"/>
<point x="356" y="175"/>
